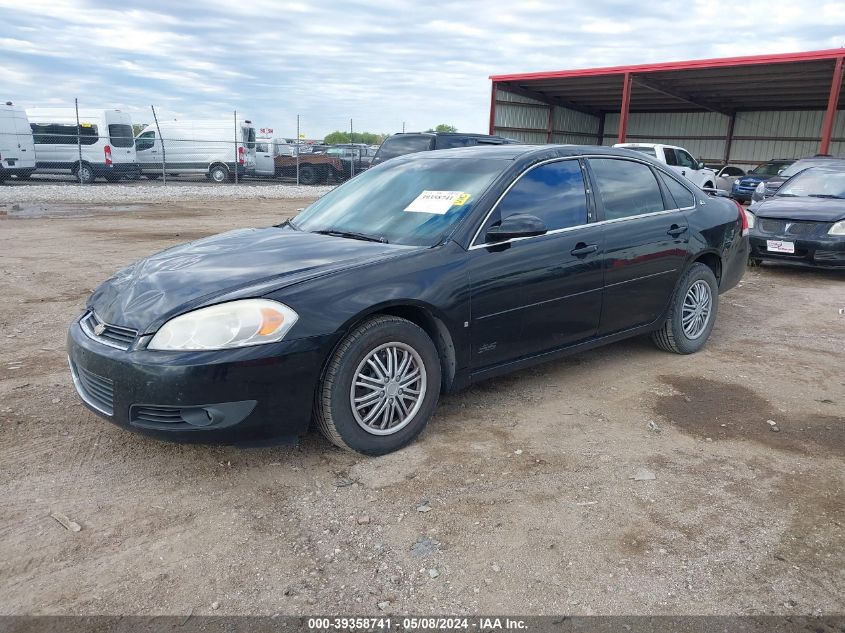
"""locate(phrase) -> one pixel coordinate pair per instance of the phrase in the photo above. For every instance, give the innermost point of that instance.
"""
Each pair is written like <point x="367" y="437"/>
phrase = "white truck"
<point x="211" y="147"/>
<point x="677" y="159"/>
<point x="17" y="151"/>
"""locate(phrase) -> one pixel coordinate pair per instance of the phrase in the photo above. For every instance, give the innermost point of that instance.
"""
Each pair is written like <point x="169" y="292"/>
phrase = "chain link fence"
<point x="92" y="145"/>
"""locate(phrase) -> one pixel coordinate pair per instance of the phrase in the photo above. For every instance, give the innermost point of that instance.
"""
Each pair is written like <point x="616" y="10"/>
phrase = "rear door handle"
<point x="676" y="230"/>
<point x="583" y="249"/>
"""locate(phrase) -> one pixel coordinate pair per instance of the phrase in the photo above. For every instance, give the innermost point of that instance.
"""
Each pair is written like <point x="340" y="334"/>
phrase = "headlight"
<point x="752" y="219"/>
<point x="761" y="187"/>
<point x="227" y="325"/>
<point x="838" y="228"/>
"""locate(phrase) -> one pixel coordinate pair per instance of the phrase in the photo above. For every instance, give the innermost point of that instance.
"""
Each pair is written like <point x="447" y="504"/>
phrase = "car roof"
<point x="526" y="152"/>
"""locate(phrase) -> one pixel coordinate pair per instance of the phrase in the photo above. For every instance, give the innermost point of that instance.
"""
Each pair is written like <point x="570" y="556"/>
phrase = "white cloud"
<point x="377" y="63"/>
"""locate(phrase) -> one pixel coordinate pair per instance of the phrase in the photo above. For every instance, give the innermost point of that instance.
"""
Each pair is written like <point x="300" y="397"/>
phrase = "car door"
<point x="646" y="242"/>
<point x="264" y="165"/>
<point x="537" y="293"/>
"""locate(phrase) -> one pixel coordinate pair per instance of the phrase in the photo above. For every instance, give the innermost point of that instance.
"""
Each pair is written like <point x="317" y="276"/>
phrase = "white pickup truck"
<point x="678" y="159"/>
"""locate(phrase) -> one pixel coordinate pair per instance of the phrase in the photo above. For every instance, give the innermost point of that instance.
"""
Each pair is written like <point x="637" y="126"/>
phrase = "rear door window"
<point x="554" y="192"/>
<point x="682" y="196"/>
<point x="120" y="135"/>
<point x="626" y="188"/>
<point x="401" y="145"/>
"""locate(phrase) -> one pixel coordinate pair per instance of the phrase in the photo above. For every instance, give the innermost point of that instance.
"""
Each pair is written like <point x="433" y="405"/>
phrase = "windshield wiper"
<point x="352" y="235"/>
<point x="825" y="195"/>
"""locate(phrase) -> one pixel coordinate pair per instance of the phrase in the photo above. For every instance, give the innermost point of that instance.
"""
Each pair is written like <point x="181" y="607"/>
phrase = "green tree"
<point x="137" y="128"/>
<point x="443" y="127"/>
<point x="337" y="137"/>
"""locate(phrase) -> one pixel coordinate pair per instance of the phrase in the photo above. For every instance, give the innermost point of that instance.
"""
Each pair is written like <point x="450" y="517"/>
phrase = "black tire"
<point x="218" y="173"/>
<point x="24" y="175"/>
<point x="152" y="176"/>
<point x="709" y="185"/>
<point x="308" y="175"/>
<point x="85" y="174"/>
<point x="672" y="337"/>
<point x="333" y="407"/>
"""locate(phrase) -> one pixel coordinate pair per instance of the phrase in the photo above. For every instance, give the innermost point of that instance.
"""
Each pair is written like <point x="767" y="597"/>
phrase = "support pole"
<point x="163" y="156"/>
<point x="79" y="139"/>
<point x="729" y="138"/>
<point x="236" y="146"/>
<point x="296" y="149"/>
<point x="601" y="129"/>
<point x="832" y="104"/>
<point x="493" y="91"/>
<point x="550" y="126"/>
<point x="351" y="153"/>
<point x="626" y="104"/>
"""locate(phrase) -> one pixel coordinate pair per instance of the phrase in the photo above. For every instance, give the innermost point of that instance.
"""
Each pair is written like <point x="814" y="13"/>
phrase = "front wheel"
<point x="219" y="173"/>
<point x="692" y="313"/>
<point x="380" y="388"/>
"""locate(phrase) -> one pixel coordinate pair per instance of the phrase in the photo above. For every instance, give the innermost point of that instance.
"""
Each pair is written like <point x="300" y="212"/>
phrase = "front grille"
<point x="113" y="335"/>
<point x="96" y="390"/>
<point x="791" y="227"/>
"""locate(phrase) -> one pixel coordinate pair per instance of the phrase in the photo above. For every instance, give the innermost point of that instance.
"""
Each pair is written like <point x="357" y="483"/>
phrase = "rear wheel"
<point x="308" y="175"/>
<point x="380" y="388"/>
<point x="85" y="174"/>
<point x="152" y="176"/>
<point x="692" y="313"/>
<point x="219" y="173"/>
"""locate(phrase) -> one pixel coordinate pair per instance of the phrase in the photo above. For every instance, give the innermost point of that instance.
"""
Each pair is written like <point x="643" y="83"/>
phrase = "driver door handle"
<point x="583" y="249"/>
<point x="676" y="230"/>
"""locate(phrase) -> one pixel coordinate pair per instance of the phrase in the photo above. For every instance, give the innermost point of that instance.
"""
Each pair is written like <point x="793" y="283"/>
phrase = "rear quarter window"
<point x="682" y="196"/>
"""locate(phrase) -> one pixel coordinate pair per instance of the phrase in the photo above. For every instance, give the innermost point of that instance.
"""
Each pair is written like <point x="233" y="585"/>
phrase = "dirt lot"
<point x="528" y="478"/>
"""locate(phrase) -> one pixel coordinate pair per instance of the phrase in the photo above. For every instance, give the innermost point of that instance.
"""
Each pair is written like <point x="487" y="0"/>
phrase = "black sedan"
<point x="418" y="277"/>
<point x="804" y="222"/>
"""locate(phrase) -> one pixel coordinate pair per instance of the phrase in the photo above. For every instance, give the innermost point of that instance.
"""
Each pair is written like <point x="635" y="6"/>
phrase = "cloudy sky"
<point x="379" y="63"/>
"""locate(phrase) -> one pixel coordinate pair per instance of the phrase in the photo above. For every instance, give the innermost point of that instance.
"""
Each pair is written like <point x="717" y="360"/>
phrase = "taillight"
<point x="742" y="217"/>
<point x="107" y="152"/>
<point x="241" y="155"/>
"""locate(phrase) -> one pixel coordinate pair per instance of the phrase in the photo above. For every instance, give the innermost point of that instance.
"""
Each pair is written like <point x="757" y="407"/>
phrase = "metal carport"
<point x="743" y="110"/>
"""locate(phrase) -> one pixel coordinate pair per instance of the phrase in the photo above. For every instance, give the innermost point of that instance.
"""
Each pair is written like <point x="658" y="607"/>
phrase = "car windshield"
<point x="816" y="182"/>
<point x="411" y="202"/>
<point x="767" y="169"/>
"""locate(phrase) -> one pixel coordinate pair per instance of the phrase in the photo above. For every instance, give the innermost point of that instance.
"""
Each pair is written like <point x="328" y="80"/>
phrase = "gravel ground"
<point x="131" y="192"/>
<point x="623" y="480"/>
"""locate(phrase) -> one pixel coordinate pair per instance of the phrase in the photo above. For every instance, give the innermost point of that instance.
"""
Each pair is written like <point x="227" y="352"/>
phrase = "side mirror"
<point x="516" y="225"/>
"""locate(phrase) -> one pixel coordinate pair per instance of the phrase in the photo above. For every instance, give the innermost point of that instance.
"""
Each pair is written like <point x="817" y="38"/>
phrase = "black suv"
<point x="410" y="142"/>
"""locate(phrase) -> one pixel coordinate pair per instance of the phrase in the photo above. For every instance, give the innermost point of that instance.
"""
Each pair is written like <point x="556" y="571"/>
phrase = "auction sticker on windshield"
<point x="779" y="246"/>
<point x="438" y="202"/>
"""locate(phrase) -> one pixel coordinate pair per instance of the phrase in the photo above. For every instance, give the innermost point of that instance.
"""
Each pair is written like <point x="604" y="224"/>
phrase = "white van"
<point x="105" y="136"/>
<point x="17" y="153"/>
<point x="211" y="147"/>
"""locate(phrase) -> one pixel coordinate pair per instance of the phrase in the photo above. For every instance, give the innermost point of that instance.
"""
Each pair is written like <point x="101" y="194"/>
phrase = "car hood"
<point x="809" y="209"/>
<point x="242" y="263"/>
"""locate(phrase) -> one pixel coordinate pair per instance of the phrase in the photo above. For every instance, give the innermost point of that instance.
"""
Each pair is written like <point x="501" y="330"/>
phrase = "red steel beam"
<point x="493" y="91"/>
<point x="832" y="104"/>
<point x="626" y="105"/>
<point x="754" y="60"/>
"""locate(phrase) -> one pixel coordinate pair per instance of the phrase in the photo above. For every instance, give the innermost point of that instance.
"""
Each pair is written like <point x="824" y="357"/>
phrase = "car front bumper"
<point x="827" y="252"/>
<point x="251" y="395"/>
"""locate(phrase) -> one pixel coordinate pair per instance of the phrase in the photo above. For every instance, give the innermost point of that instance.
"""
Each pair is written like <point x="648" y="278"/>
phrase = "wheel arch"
<point x="425" y="317"/>
<point x="712" y="260"/>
